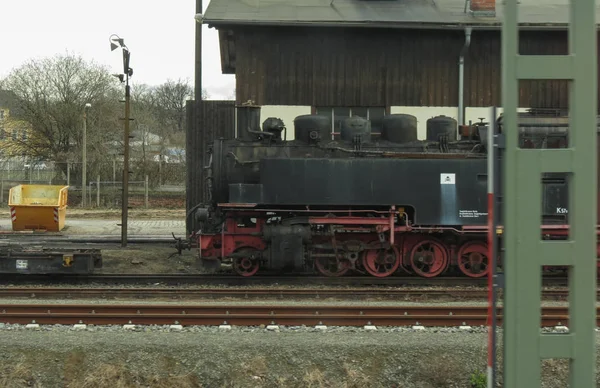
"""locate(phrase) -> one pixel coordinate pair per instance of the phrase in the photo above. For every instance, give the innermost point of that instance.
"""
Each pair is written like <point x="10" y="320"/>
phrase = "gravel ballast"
<point x="245" y="357"/>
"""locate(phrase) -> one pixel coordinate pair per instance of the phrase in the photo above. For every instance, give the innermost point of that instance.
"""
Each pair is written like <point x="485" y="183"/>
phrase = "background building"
<point x="14" y="133"/>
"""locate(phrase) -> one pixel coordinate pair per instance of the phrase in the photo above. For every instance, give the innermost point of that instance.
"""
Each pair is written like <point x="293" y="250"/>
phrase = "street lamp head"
<point x="114" y="39"/>
<point x="88" y="105"/>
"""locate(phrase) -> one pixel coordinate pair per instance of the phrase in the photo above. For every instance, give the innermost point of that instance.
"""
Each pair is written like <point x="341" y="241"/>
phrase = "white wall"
<point x="287" y="113"/>
<point x="424" y="113"/>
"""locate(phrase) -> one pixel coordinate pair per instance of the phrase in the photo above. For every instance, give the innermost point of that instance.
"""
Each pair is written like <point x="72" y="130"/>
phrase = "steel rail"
<point x="247" y="315"/>
<point x="266" y="293"/>
<point x="235" y="280"/>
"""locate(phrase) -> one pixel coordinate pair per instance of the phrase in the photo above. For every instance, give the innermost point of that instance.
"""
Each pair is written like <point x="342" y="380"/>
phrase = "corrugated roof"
<point x="384" y="13"/>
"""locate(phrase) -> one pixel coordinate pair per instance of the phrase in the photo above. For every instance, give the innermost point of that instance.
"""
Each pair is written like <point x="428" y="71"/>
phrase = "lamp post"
<point x="84" y="156"/>
<point x="115" y="43"/>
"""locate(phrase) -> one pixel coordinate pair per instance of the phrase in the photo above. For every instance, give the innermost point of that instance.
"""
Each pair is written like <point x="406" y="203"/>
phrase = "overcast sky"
<point x="159" y="34"/>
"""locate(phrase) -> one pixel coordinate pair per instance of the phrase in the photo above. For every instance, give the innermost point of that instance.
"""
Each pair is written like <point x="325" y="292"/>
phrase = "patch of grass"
<point x="314" y="378"/>
<point x="447" y="370"/>
<point x="118" y="376"/>
<point x="352" y="377"/>
<point x="356" y="377"/>
<point x="17" y="375"/>
<point x="257" y="368"/>
<point x="478" y="379"/>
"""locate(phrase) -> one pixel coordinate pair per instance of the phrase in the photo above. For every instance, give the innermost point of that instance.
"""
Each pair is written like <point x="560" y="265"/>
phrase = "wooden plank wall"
<point x="207" y="121"/>
<point x="369" y="67"/>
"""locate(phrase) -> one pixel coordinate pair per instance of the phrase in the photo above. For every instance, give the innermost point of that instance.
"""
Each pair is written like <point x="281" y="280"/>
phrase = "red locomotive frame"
<point x="378" y="246"/>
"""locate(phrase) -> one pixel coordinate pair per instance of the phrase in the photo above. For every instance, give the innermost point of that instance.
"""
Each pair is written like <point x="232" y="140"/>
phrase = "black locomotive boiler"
<point x="340" y="198"/>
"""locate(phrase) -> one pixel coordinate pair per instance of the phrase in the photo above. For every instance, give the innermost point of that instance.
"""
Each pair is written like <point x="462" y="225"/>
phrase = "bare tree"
<point x="52" y="93"/>
<point x="169" y="101"/>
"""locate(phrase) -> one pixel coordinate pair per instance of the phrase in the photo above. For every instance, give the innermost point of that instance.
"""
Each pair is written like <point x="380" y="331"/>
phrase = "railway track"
<point x="234" y="280"/>
<point x="267" y="293"/>
<point x="244" y="315"/>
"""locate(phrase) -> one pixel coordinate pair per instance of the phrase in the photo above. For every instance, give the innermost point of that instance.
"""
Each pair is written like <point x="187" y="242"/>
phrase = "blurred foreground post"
<point x="526" y="252"/>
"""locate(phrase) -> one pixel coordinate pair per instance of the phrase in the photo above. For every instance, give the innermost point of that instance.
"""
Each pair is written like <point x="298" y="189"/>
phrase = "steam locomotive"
<point x="341" y="198"/>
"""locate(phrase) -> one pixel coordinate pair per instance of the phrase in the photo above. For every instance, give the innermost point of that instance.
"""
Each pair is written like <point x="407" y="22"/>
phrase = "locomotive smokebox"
<point x="248" y="122"/>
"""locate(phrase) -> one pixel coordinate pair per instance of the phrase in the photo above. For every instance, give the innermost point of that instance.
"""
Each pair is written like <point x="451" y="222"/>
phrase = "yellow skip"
<point x="67" y="260"/>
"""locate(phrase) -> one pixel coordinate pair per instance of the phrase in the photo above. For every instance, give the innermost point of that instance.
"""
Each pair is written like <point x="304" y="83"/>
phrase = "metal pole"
<point x="68" y="174"/>
<point x="125" y="201"/>
<point x="198" y="55"/>
<point x="146" y="192"/>
<point x="493" y="188"/>
<point x="98" y="191"/>
<point x="84" y="158"/>
<point x="160" y="171"/>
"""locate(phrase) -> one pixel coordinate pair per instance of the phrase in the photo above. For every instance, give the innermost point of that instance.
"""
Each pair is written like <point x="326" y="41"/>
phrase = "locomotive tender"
<point x="342" y="199"/>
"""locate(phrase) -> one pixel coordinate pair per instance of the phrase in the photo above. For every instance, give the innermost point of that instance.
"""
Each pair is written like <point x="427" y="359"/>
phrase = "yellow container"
<point x="38" y="207"/>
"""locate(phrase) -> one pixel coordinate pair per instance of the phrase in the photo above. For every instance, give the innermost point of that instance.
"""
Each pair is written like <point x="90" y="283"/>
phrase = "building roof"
<point x="381" y="13"/>
<point x="425" y="14"/>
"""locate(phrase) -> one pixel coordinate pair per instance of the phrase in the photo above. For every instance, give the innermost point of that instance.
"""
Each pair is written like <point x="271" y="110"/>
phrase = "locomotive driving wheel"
<point x="247" y="264"/>
<point x="381" y="262"/>
<point x="329" y="265"/>
<point x="473" y="259"/>
<point x="429" y="258"/>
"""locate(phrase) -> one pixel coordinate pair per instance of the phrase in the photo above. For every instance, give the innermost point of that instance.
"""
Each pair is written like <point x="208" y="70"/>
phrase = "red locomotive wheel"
<point x="248" y="264"/>
<point x="331" y="266"/>
<point x="429" y="258"/>
<point x="473" y="259"/>
<point x="381" y="262"/>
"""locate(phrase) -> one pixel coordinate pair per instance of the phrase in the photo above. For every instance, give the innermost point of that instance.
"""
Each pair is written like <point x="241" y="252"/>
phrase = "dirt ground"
<point x="156" y="260"/>
<point x="137" y="259"/>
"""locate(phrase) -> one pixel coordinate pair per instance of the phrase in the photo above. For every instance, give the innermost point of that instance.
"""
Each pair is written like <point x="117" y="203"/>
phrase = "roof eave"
<point x="476" y="25"/>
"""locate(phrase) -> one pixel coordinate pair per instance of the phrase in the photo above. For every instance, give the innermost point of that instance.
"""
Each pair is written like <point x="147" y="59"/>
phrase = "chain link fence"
<point x="152" y="183"/>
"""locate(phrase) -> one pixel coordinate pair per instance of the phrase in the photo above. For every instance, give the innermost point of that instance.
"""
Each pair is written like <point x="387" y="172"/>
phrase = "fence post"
<point x="160" y="171"/>
<point x="98" y="192"/>
<point x="114" y="170"/>
<point x="2" y="191"/>
<point x="68" y="174"/>
<point x="146" y="192"/>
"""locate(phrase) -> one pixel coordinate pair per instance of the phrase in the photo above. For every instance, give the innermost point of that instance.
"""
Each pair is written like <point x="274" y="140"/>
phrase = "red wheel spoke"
<point x="248" y="264"/>
<point x="473" y="259"/>
<point x="331" y="266"/>
<point x="429" y="258"/>
<point x="381" y="262"/>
